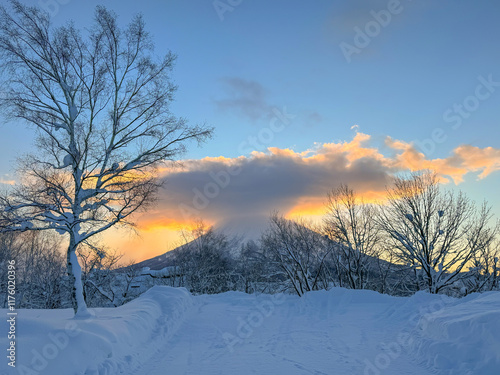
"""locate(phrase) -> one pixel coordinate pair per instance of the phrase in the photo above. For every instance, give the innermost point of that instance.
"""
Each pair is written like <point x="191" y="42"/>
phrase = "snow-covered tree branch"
<point x="436" y="232"/>
<point x="349" y="222"/>
<point x="297" y="250"/>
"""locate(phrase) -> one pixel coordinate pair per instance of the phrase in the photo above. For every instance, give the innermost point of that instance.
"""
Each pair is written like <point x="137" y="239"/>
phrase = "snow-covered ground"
<point x="168" y="331"/>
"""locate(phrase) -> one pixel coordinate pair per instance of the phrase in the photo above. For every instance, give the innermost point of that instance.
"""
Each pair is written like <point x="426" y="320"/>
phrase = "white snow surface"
<point x="169" y="331"/>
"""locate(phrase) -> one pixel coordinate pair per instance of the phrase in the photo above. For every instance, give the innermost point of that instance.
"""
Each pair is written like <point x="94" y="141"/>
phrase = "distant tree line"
<point x="422" y="237"/>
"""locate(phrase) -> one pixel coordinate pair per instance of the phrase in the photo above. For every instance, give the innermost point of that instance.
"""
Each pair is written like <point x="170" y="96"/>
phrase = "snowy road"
<point x="344" y="333"/>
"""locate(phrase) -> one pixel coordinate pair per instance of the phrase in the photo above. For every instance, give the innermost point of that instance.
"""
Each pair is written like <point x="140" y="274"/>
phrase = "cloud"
<point x="7" y="182"/>
<point x="226" y="189"/>
<point x="238" y="194"/>
<point x="222" y="190"/>
<point x="484" y="160"/>
<point x="463" y="160"/>
<point x="244" y="97"/>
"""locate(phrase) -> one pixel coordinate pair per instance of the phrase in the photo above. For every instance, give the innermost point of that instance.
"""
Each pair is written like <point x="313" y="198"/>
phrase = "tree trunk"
<point x="75" y="280"/>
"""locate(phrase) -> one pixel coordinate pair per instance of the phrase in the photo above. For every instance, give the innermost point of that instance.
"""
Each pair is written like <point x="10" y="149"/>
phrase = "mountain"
<point x="239" y="230"/>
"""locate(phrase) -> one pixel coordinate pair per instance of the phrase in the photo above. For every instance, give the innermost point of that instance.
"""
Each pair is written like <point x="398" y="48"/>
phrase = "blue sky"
<point x="264" y="55"/>
<point x="426" y="59"/>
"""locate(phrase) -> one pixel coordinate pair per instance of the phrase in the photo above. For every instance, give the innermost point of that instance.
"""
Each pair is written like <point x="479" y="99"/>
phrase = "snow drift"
<point x="115" y="340"/>
<point x="341" y="331"/>
<point x="462" y="338"/>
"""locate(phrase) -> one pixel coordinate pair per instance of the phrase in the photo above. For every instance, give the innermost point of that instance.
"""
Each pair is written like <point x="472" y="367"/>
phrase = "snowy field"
<point x="168" y="331"/>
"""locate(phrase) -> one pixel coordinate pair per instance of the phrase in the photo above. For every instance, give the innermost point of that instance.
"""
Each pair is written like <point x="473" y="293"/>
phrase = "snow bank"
<point x="340" y="331"/>
<point x="114" y="340"/>
<point x="462" y="338"/>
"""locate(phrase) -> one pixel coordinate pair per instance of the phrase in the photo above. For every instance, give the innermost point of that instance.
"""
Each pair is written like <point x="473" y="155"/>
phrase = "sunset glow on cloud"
<point x="224" y="191"/>
<point x="7" y="182"/>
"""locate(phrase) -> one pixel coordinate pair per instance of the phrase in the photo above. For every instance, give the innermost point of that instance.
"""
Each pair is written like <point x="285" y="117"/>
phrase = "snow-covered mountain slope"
<point x="238" y="231"/>
<point x="168" y="331"/>
<point x="159" y="262"/>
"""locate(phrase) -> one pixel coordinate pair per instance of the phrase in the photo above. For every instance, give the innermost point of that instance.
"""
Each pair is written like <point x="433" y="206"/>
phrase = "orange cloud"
<point x="7" y="182"/>
<point x="296" y="182"/>
<point x="156" y="223"/>
<point x="226" y="191"/>
<point x="463" y="160"/>
<point x="351" y="151"/>
<point x="314" y="207"/>
<point x="486" y="160"/>
<point x="308" y="207"/>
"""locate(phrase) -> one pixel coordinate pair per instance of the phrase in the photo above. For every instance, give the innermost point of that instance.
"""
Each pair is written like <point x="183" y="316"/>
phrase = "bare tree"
<point x="99" y="275"/>
<point x="8" y="251"/>
<point x="99" y="103"/>
<point x="298" y="250"/>
<point x="254" y="271"/>
<point x="436" y="232"/>
<point x="484" y="273"/>
<point x="39" y="269"/>
<point x="349" y="222"/>
<point x="205" y="261"/>
<point x="40" y="265"/>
